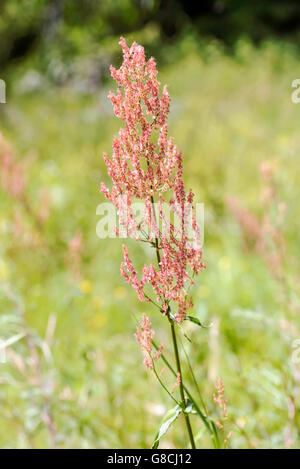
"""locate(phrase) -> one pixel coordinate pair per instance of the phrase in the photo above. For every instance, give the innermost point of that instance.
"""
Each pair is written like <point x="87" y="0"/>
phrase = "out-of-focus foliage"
<point x="72" y="374"/>
<point x="60" y="37"/>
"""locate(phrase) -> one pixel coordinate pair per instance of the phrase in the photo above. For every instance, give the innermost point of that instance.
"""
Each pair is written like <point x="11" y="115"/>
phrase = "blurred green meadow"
<point x="72" y="376"/>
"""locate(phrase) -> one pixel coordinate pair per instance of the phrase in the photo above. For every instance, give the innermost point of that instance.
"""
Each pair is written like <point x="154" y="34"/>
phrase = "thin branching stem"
<point x="194" y="377"/>
<point x="208" y="424"/>
<point x="175" y="347"/>
<point x="178" y="365"/>
<point x="162" y="384"/>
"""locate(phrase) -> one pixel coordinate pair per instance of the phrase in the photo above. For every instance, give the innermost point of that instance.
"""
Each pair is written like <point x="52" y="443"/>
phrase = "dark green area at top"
<point x="54" y="31"/>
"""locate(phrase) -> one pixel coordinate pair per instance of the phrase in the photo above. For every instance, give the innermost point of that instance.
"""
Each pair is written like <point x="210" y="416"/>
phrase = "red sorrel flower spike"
<point x="145" y="165"/>
<point x="12" y="172"/>
<point x="144" y="335"/>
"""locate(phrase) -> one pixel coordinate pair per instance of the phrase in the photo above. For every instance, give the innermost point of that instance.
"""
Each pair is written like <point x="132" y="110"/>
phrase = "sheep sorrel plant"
<point x="147" y="167"/>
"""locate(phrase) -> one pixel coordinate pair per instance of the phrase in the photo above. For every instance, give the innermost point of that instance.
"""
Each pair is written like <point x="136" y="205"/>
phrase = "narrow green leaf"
<point x="203" y="417"/>
<point x="171" y="416"/>
<point x="196" y="321"/>
<point x="217" y="440"/>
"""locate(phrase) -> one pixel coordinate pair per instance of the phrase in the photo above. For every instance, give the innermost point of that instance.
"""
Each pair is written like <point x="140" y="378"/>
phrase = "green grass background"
<point x="228" y="115"/>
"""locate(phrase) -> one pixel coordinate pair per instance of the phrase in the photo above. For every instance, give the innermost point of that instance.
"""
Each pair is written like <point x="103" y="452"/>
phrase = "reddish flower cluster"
<point x="144" y="335"/>
<point x="177" y="382"/>
<point x="13" y="183"/>
<point x="220" y="400"/>
<point x="264" y="234"/>
<point x="144" y="170"/>
<point x="12" y="172"/>
<point x="74" y="255"/>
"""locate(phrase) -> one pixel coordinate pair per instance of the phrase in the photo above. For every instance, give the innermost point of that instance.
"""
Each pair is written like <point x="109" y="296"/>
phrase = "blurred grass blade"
<point x="11" y="340"/>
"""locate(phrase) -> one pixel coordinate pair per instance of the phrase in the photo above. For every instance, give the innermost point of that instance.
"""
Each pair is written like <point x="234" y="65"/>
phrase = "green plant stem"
<point x="178" y="366"/>
<point x="156" y="240"/>
<point x="208" y="424"/>
<point x="175" y="346"/>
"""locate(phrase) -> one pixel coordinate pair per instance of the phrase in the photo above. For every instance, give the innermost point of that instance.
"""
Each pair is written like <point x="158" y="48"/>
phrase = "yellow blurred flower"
<point x="85" y="287"/>
<point x="224" y="263"/>
<point x="120" y="292"/>
<point x="97" y="302"/>
<point x="98" y="320"/>
<point x="3" y="270"/>
<point x="203" y="291"/>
